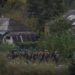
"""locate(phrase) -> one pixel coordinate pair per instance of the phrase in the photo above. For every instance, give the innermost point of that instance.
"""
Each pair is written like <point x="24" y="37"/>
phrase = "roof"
<point x="70" y="12"/>
<point x="73" y="23"/>
<point x="10" y="25"/>
<point x="21" y="33"/>
<point x="71" y="16"/>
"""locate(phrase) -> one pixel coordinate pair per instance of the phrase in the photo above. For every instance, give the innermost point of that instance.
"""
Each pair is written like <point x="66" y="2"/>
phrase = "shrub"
<point x="5" y="47"/>
<point x="72" y="68"/>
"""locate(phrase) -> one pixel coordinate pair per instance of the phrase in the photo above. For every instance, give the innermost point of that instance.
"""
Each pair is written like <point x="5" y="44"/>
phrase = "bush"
<point x="28" y="44"/>
<point x="72" y="68"/>
<point x="5" y="47"/>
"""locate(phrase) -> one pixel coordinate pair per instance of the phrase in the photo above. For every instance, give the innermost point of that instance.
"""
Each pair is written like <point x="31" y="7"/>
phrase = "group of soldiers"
<point x="36" y="56"/>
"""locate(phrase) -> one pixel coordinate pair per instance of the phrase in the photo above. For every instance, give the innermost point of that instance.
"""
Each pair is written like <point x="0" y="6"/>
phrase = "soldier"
<point x="52" y="54"/>
<point x="46" y="56"/>
<point x="70" y="55"/>
<point x="22" y="53"/>
<point x="35" y="56"/>
<point x="28" y="56"/>
<point x="41" y="56"/>
<point x="8" y="55"/>
<point x="14" y="53"/>
<point x="56" y="57"/>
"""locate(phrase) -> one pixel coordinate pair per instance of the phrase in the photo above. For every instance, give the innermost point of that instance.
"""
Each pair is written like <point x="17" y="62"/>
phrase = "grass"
<point x="20" y="67"/>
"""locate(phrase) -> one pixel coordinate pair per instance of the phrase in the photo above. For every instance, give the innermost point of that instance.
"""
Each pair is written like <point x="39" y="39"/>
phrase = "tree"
<point x="11" y="6"/>
<point x="14" y="4"/>
<point x="60" y="36"/>
<point x="2" y="3"/>
<point x="45" y="10"/>
<point x="59" y="25"/>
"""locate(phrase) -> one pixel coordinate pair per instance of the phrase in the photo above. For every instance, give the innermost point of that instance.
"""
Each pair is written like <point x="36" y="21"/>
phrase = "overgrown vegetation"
<point x="19" y="67"/>
<point x="72" y="67"/>
<point x="59" y="36"/>
<point x="5" y="47"/>
<point x="41" y="11"/>
<point x="45" y="10"/>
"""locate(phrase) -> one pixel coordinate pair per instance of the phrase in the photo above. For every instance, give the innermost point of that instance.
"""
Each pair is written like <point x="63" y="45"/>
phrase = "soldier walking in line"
<point x="22" y="53"/>
<point x="69" y="55"/>
<point x="46" y="56"/>
<point x="8" y="55"/>
<point x="14" y="54"/>
<point x="35" y="56"/>
<point x="56" y="57"/>
<point x="28" y="56"/>
<point x="41" y="56"/>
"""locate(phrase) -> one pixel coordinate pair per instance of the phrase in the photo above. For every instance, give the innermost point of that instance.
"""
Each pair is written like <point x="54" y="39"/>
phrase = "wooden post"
<point x="45" y="30"/>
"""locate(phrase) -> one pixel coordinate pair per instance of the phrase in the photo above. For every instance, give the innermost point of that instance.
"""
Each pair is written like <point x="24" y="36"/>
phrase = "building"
<point x="12" y="31"/>
<point x="71" y="17"/>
